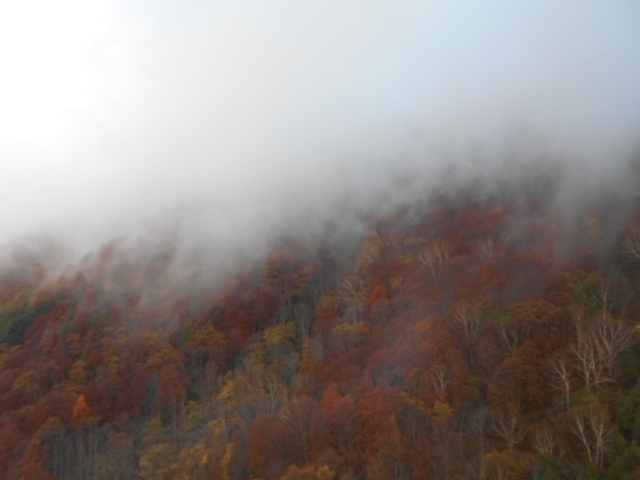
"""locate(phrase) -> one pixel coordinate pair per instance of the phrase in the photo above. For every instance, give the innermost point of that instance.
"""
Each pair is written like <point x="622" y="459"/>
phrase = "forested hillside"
<point x="474" y="333"/>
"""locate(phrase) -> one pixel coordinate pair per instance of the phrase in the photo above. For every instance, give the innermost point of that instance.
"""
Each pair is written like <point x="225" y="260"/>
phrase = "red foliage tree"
<point x="269" y="447"/>
<point x="32" y="465"/>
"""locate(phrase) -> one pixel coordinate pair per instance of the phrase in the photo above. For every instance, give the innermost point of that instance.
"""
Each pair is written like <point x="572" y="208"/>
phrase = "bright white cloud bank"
<point x="115" y="111"/>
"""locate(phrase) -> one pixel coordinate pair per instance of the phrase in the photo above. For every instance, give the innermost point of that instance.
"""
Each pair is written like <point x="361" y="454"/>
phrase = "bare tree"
<point x="508" y="425"/>
<point x="354" y="290"/>
<point x="477" y="427"/>
<point x="262" y="393"/>
<point x="591" y="426"/>
<point x="580" y="321"/>
<point x="303" y="316"/>
<point x="509" y="334"/>
<point x="273" y="389"/>
<point x="560" y="379"/>
<point x="611" y="295"/>
<point x="388" y="239"/>
<point x="486" y="248"/>
<point x="544" y="440"/>
<point x="466" y="317"/>
<point x="434" y="258"/>
<point x="597" y="348"/>
<point x="632" y="243"/>
<point x="440" y="378"/>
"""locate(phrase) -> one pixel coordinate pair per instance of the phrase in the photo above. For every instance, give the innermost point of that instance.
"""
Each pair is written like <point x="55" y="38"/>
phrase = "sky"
<point x="114" y="113"/>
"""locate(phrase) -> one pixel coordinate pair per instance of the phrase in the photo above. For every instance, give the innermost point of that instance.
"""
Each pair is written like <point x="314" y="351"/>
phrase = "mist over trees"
<point x="486" y="328"/>
<point x="319" y="240"/>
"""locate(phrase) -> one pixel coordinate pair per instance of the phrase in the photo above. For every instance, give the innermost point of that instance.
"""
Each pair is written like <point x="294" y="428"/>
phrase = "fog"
<point x="229" y="123"/>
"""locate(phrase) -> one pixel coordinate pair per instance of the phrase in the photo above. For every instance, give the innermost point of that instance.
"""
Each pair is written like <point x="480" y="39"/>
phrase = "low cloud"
<point x="233" y="122"/>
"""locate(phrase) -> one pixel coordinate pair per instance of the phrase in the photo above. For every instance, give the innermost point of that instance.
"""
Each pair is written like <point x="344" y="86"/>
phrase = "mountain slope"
<point x="477" y="333"/>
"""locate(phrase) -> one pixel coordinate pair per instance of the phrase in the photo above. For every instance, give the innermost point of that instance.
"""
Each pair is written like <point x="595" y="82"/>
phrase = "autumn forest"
<point x="477" y="332"/>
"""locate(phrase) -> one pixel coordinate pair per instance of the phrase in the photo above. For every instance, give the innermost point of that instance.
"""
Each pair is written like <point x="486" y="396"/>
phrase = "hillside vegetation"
<point x="471" y="335"/>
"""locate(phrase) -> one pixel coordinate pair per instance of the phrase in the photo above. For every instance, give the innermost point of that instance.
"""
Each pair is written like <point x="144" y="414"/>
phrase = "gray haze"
<point x="221" y="121"/>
